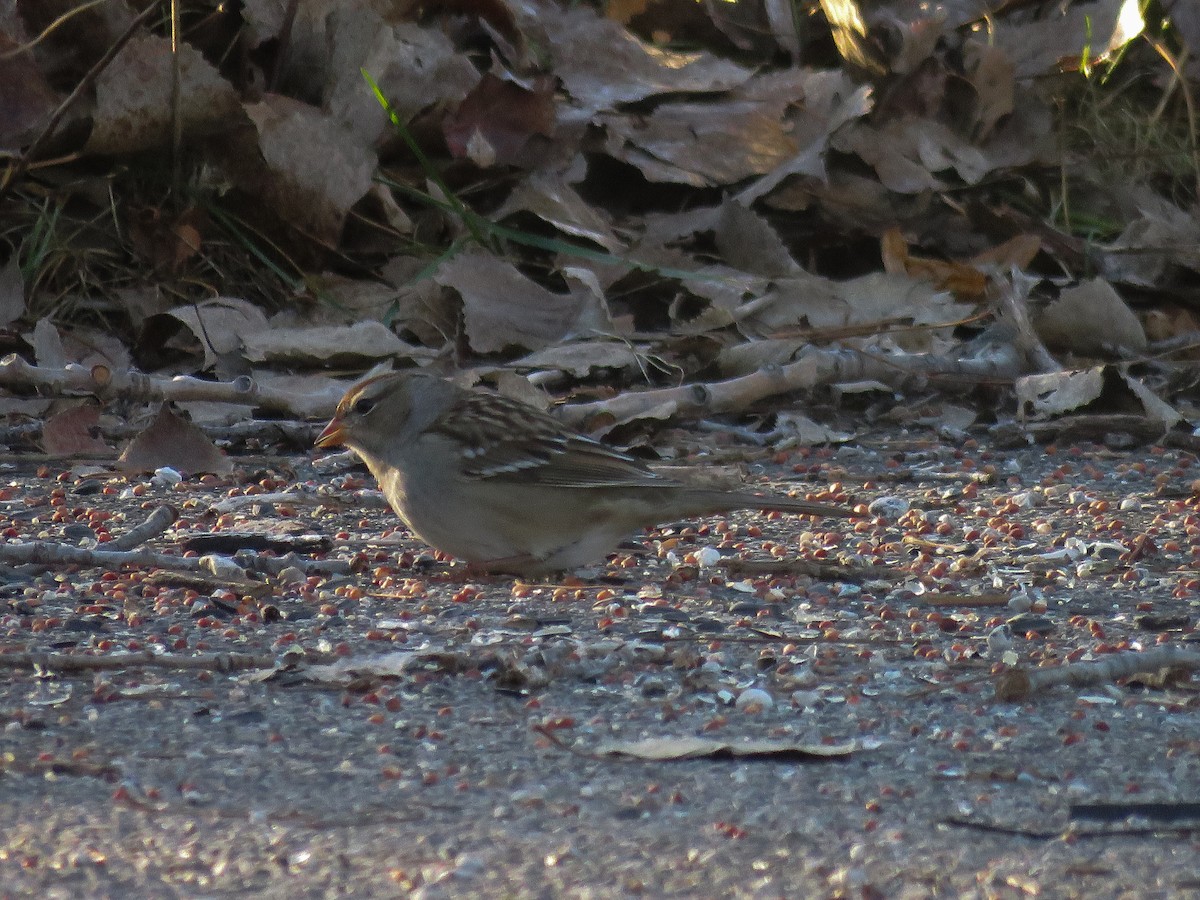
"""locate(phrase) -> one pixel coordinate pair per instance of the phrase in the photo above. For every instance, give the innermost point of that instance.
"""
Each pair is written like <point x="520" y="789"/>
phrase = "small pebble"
<point x="888" y="507"/>
<point x="291" y="575"/>
<point x="166" y="477"/>
<point x="77" y="534"/>
<point x="222" y="567"/>
<point x="999" y="641"/>
<point x="754" y="700"/>
<point x="805" y="699"/>
<point x="1026" y="622"/>
<point x="1020" y="603"/>
<point x="653" y="686"/>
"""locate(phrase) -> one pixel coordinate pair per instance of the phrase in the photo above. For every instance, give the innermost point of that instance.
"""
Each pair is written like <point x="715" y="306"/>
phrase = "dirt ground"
<point x="457" y="746"/>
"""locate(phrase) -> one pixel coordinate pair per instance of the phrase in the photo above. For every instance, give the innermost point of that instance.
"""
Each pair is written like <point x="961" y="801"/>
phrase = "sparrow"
<point x="507" y="488"/>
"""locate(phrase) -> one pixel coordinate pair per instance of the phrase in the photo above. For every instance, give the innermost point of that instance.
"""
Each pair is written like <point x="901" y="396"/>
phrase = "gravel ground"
<point x="456" y="746"/>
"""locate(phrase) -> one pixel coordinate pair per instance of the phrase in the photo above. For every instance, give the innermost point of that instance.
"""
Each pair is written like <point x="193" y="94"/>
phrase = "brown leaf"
<point x="507" y="118"/>
<point x="416" y="68"/>
<point x="702" y="144"/>
<point x="549" y="197"/>
<point x="967" y="281"/>
<point x="175" y="442"/>
<point x="75" y="432"/>
<point x="133" y="98"/>
<point x="602" y="66"/>
<point x="315" y="169"/>
<point x="502" y="308"/>
<point x="1091" y="318"/>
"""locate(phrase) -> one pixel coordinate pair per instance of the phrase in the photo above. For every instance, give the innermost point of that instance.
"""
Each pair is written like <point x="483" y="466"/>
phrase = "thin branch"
<point x="1019" y="684"/>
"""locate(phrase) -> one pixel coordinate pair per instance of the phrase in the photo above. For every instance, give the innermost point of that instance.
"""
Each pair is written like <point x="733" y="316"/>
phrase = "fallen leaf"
<point x="602" y="66"/>
<point x="360" y="344"/>
<point x="175" y="442"/>
<point x="220" y="325"/>
<point x="134" y="109"/>
<point x="75" y="431"/>
<point x="507" y="117"/>
<point x="1091" y="318"/>
<point x="550" y="198"/>
<point x="416" y="68"/>
<point x="1106" y="389"/>
<point x="502" y="308"/>
<point x="48" y="350"/>
<point x="703" y="144"/>
<point x="314" y="169"/>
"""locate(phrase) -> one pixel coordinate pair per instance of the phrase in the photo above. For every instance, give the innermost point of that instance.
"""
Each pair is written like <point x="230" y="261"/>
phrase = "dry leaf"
<point x="1106" y="389"/>
<point x="967" y="281"/>
<point x="581" y="360"/>
<point x="75" y="431"/>
<point x="703" y="144"/>
<point x="314" y="168"/>
<point x="360" y="344"/>
<point x="48" y="350"/>
<point x="1091" y="318"/>
<point x="220" y="325"/>
<point x="747" y="241"/>
<point x="133" y="109"/>
<point x="550" y="198"/>
<point x="415" y="67"/>
<point x="502" y="308"/>
<point x="509" y="118"/>
<point x="603" y="66"/>
<point x="175" y="442"/>
<point x="1057" y="40"/>
<point x="1160" y="240"/>
<point x="990" y="72"/>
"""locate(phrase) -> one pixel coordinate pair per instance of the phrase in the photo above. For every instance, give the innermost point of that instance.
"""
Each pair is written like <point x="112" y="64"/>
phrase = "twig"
<point x="814" y="368"/>
<point x="138" y="387"/>
<point x="231" y="569"/>
<point x="1018" y="684"/>
<point x="159" y="521"/>
<point x="53" y="555"/>
<point x="68" y="662"/>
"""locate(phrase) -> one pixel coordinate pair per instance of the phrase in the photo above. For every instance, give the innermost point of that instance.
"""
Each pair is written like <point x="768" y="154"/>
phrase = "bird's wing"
<point x="505" y="440"/>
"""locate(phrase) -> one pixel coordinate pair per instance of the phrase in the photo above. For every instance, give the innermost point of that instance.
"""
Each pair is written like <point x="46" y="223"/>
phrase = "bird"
<point x="507" y="488"/>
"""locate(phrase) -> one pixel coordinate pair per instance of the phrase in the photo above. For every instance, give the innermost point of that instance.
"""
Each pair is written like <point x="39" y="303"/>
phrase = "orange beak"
<point x="333" y="435"/>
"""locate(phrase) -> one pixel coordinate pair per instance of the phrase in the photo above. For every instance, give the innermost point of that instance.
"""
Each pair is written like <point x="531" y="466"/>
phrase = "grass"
<point x="1132" y="122"/>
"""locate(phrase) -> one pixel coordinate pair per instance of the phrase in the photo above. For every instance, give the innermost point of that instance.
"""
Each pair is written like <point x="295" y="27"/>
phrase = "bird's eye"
<point x="363" y="405"/>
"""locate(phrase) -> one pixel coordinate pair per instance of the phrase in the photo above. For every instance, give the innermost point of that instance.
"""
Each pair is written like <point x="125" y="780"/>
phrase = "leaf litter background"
<point x="940" y="233"/>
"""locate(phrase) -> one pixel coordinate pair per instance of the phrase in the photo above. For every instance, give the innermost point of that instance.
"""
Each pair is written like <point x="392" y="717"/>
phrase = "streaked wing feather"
<point x="512" y="442"/>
